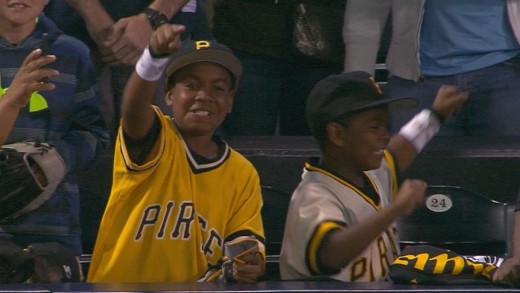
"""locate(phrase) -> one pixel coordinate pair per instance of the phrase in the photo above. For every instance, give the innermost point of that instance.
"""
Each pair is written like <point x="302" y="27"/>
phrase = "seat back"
<point x="274" y="213"/>
<point x="457" y="219"/>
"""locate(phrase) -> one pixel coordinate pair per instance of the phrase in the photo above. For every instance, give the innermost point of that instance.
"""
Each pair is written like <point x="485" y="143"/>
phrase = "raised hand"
<point x="28" y="79"/>
<point x="410" y="195"/>
<point x="166" y="39"/>
<point x="449" y="98"/>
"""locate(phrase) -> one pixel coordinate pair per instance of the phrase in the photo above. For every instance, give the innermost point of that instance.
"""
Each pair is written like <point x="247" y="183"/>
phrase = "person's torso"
<point x="49" y="117"/>
<point x="344" y="203"/>
<point x="49" y="113"/>
<point x="172" y="210"/>
<point x="464" y="35"/>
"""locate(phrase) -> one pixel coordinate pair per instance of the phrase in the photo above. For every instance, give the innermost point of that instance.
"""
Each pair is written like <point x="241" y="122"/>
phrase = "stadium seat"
<point x="274" y="212"/>
<point x="453" y="218"/>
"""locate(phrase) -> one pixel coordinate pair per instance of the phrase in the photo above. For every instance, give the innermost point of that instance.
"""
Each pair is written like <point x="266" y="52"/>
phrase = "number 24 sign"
<point x="439" y="203"/>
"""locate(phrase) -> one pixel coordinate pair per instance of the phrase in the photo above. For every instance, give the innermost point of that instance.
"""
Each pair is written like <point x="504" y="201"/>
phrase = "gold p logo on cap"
<point x="376" y="85"/>
<point x="202" y="44"/>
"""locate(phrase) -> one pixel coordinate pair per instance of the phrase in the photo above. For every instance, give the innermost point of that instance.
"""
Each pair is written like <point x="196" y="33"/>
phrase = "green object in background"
<point x="36" y="103"/>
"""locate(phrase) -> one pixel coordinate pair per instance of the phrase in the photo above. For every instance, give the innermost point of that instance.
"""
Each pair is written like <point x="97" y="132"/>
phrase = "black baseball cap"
<point x="338" y="95"/>
<point x="193" y="51"/>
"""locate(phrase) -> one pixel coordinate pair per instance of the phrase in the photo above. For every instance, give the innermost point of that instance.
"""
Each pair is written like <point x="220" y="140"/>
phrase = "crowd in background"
<point x="276" y="80"/>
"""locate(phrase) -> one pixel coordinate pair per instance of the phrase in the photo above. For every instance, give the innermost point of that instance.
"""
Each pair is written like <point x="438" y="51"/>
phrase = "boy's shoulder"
<point x="69" y="45"/>
<point x="241" y="160"/>
<point x="61" y="44"/>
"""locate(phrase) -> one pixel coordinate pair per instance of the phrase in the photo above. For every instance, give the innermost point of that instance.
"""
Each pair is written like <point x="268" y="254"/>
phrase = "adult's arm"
<point x="129" y="36"/>
<point x="122" y="41"/>
<point x="169" y="7"/>
<point x="96" y="18"/>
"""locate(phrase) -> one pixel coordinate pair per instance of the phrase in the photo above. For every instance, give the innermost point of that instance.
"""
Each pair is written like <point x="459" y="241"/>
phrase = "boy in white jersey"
<point x="179" y="192"/>
<point x="340" y="222"/>
<point x="510" y="268"/>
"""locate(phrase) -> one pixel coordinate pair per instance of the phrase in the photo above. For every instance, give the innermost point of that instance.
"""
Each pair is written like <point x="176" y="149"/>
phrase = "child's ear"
<point x="168" y="99"/>
<point x="336" y="133"/>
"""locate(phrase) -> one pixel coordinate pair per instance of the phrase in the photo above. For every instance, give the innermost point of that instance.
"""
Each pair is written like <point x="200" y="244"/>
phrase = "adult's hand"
<point x="126" y="41"/>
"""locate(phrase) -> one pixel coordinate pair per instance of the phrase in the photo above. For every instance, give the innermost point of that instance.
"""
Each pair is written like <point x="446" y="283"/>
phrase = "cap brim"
<point x="393" y="104"/>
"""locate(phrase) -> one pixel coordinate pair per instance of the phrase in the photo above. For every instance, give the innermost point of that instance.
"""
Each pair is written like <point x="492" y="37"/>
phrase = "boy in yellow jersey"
<point x="340" y="222"/>
<point x="179" y="192"/>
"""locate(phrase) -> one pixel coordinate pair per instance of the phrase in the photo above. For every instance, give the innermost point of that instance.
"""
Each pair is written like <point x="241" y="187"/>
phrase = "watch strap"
<point x="155" y="17"/>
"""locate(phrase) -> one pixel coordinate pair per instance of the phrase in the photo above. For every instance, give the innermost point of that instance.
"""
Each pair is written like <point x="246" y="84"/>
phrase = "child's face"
<point x="15" y="13"/>
<point x="366" y="137"/>
<point x="201" y="98"/>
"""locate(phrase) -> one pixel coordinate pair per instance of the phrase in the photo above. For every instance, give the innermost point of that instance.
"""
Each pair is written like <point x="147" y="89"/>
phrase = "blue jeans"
<point x="272" y="93"/>
<point x="493" y="107"/>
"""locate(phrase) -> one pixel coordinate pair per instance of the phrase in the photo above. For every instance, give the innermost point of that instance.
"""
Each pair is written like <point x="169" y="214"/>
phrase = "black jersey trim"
<point x="156" y="136"/>
<point x="321" y="269"/>
<point x="244" y="233"/>
<point x="200" y="164"/>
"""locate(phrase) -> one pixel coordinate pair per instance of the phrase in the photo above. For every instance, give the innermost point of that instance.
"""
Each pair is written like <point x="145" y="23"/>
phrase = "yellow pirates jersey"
<point x="323" y="202"/>
<point x="167" y="219"/>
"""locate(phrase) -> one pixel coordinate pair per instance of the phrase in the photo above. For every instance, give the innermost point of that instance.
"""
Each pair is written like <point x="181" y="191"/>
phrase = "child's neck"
<point x="353" y="176"/>
<point x="16" y="34"/>
<point x="203" y="146"/>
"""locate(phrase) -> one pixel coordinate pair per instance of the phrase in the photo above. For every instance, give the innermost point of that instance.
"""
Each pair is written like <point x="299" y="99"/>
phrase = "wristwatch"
<point x="155" y="17"/>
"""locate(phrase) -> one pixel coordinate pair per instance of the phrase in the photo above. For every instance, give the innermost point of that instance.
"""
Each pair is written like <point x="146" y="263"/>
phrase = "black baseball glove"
<point x="29" y="175"/>
<point x="16" y="264"/>
<point x="54" y="263"/>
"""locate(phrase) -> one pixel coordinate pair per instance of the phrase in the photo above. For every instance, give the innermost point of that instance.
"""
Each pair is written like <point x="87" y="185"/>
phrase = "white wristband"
<point x="149" y="68"/>
<point x="421" y="128"/>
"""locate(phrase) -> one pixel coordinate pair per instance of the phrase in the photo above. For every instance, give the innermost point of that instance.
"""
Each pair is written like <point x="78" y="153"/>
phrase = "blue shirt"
<point x="72" y="122"/>
<point x="459" y="36"/>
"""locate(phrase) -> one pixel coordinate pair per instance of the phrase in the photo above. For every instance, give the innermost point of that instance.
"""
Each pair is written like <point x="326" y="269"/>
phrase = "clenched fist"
<point x="410" y="195"/>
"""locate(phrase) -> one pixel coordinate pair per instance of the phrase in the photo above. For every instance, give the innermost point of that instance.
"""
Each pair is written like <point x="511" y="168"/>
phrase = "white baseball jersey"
<point x="322" y="202"/>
